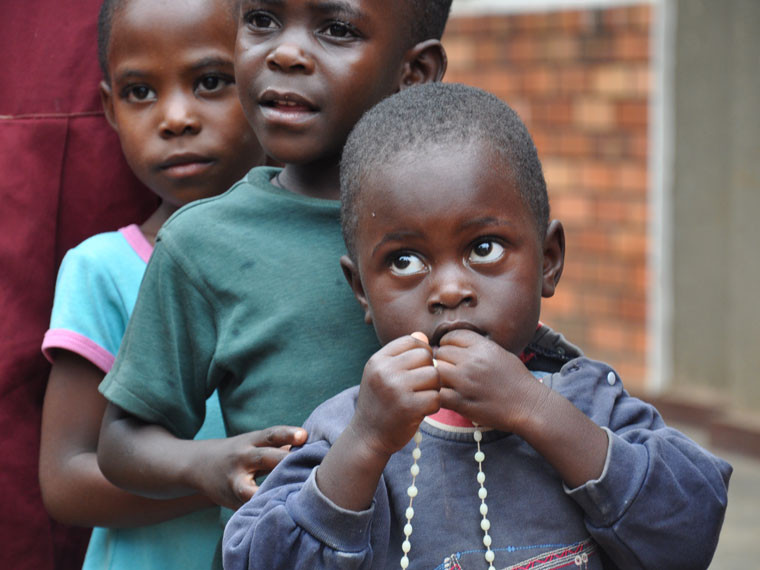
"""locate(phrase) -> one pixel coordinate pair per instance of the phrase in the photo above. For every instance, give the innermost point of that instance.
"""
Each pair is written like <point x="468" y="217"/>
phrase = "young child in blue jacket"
<point x="451" y="453"/>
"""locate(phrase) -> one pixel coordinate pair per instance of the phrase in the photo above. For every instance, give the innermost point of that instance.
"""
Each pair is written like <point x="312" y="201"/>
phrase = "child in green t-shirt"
<point x="244" y="294"/>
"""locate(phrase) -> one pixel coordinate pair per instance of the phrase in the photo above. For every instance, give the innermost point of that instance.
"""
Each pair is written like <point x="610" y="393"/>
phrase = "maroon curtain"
<point x="62" y="178"/>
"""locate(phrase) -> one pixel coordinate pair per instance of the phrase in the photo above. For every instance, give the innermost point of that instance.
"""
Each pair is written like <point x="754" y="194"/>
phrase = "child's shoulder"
<point x="113" y="245"/>
<point x="208" y="210"/>
<point x="199" y="221"/>
<point x="329" y="419"/>
<point x="597" y="390"/>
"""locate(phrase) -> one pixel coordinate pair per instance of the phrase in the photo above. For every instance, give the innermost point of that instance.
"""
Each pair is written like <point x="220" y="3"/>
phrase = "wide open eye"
<point x="406" y="264"/>
<point x="139" y="94"/>
<point x="486" y="251"/>
<point x="212" y="83"/>
<point x="339" y="30"/>
<point x="259" y="20"/>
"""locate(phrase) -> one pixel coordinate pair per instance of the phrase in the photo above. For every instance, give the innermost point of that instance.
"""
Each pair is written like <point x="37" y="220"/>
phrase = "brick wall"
<point x="581" y="82"/>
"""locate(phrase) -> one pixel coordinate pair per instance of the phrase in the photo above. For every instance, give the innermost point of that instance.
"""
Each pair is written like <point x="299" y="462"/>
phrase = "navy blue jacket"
<point x="659" y="502"/>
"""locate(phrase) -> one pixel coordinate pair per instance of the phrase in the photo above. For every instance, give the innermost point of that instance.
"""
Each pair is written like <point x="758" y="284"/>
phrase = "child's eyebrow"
<point x="324" y="7"/>
<point x="395" y="236"/>
<point x="212" y="61"/>
<point x="486" y="221"/>
<point x="333" y="7"/>
<point x="127" y="74"/>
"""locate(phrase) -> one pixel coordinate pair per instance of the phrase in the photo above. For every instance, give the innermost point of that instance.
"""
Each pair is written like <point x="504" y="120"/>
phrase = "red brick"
<point x="614" y="80"/>
<point x="632" y="46"/>
<point x="573" y="144"/>
<point x="609" y="336"/>
<point x="523" y="48"/>
<point x="597" y="175"/>
<point x="569" y="208"/>
<point x="594" y="114"/>
<point x="632" y="177"/>
<point x="559" y="173"/>
<point x="615" y="18"/>
<point x="556" y="112"/>
<point x="570" y="20"/>
<point x="642" y="16"/>
<point x="540" y="81"/>
<point x="573" y="79"/>
<point x="632" y="113"/>
<point x="611" y="146"/>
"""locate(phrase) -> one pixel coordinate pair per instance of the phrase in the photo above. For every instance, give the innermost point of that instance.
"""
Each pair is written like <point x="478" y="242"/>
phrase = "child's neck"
<point x="316" y="180"/>
<point x="150" y="227"/>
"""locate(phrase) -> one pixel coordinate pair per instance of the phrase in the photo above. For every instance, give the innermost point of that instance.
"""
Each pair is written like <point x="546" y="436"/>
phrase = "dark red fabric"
<point x="62" y="178"/>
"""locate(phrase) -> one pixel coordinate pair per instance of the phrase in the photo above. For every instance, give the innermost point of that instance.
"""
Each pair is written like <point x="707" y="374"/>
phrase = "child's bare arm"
<point x="399" y="388"/>
<point x="492" y="387"/>
<point x="149" y="460"/>
<point x="73" y="488"/>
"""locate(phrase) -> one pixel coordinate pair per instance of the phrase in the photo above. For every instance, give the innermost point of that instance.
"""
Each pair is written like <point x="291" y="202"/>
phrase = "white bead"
<point x="482" y="493"/>
<point x="480" y="456"/>
<point x="487" y="541"/>
<point x="406" y="546"/>
<point x="485" y="524"/>
<point x="611" y="378"/>
<point x="405" y="562"/>
<point x="407" y="530"/>
<point x="481" y="477"/>
<point x="415" y="469"/>
<point x="477" y="435"/>
<point x="491" y="567"/>
<point x="490" y="556"/>
<point x="416" y="453"/>
<point x="417" y="437"/>
<point x="409" y="513"/>
<point x="483" y="509"/>
<point x="412" y="491"/>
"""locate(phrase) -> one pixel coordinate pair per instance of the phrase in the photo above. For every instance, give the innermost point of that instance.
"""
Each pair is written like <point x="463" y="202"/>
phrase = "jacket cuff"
<point x="337" y="528"/>
<point x="605" y="500"/>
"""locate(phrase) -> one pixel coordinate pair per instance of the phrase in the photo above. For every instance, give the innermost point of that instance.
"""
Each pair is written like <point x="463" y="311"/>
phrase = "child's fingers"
<point x="278" y="436"/>
<point x="422" y="379"/>
<point x="245" y="487"/>
<point x="406" y="343"/>
<point x="420" y="336"/>
<point x="261" y="460"/>
<point x="460" y="337"/>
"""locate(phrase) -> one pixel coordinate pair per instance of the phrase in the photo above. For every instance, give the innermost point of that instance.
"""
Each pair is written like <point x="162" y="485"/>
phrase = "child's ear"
<point x="424" y="63"/>
<point x="351" y="273"/>
<point x="554" y="257"/>
<point x="106" y="97"/>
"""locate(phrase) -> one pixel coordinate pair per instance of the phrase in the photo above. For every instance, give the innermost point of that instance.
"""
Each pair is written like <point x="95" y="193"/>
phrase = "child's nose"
<point x="179" y="116"/>
<point x="289" y="55"/>
<point x="451" y="288"/>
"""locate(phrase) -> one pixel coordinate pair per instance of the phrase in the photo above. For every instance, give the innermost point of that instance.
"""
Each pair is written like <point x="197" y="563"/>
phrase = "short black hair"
<point x="439" y="114"/>
<point x="108" y="11"/>
<point x="428" y="19"/>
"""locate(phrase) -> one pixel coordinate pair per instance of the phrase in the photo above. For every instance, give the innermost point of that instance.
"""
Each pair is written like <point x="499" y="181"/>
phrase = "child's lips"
<point x="286" y="107"/>
<point x="442" y="329"/>
<point x="185" y="165"/>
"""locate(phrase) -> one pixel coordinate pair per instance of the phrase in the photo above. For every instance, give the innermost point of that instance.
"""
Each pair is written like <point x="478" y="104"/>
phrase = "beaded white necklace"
<point x="485" y="524"/>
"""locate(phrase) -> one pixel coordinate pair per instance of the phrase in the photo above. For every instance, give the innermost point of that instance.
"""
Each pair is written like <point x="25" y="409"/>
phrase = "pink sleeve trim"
<point x="78" y="344"/>
<point x="137" y="241"/>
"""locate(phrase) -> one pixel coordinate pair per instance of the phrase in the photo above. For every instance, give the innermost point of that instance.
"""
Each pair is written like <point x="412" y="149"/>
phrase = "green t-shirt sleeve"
<point x="161" y="372"/>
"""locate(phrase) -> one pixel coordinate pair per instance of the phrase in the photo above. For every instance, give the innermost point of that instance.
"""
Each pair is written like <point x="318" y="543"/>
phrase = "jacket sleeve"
<point x="290" y="524"/>
<point x="661" y="498"/>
